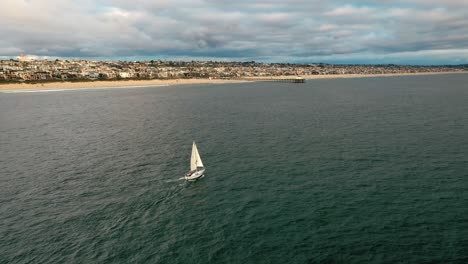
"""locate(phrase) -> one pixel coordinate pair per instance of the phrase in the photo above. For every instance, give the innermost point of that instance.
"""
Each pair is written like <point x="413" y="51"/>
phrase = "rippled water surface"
<point x="348" y="171"/>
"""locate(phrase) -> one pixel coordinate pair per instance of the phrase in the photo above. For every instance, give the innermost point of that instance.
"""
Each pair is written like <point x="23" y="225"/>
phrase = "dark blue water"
<point x="371" y="170"/>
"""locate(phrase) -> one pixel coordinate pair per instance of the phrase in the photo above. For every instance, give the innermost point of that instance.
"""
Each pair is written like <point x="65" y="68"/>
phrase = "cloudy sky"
<point x="373" y="31"/>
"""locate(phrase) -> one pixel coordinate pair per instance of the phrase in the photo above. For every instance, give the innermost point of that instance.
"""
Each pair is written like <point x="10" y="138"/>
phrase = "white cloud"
<point x="349" y="10"/>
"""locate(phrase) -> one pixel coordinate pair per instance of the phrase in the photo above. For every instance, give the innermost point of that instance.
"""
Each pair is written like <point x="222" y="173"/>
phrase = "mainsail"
<point x="195" y="160"/>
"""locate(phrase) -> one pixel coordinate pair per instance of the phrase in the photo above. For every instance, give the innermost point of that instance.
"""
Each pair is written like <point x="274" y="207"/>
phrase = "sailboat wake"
<point x="176" y="180"/>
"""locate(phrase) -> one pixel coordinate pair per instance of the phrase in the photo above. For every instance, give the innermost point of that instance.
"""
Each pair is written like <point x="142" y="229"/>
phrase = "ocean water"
<point x="371" y="170"/>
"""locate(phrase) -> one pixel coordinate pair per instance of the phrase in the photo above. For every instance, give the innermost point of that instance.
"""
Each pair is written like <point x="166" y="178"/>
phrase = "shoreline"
<point x="148" y="83"/>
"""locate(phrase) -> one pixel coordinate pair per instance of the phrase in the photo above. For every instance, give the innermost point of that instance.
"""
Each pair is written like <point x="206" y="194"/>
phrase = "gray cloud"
<point x="270" y="30"/>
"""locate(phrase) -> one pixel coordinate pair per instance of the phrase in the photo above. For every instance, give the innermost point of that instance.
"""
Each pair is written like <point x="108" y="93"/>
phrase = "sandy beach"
<point x="345" y="76"/>
<point x="145" y="83"/>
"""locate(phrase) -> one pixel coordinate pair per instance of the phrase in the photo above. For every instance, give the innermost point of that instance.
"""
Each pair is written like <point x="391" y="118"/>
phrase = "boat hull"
<point x="195" y="176"/>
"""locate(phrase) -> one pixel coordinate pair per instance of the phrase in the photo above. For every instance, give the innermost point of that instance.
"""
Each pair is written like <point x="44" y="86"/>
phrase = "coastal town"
<point x="22" y="70"/>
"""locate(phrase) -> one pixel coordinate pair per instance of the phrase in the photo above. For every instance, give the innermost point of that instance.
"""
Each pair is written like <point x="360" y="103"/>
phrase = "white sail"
<point x="195" y="160"/>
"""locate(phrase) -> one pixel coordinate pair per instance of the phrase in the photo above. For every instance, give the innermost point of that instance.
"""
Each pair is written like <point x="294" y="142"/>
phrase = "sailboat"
<point x="197" y="169"/>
